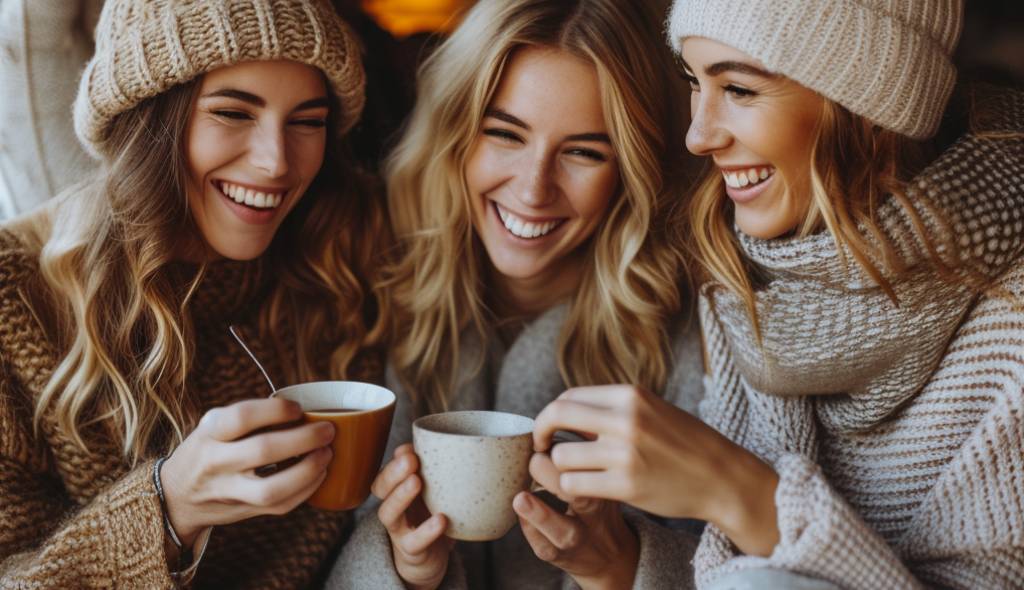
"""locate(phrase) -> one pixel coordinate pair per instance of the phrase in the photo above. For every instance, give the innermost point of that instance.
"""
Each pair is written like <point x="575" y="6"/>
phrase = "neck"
<point x="527" y="297"/>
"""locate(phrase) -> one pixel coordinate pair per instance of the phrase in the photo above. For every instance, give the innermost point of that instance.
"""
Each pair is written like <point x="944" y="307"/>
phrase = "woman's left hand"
<point x="650" y="454"/>
<point x="590" y="541"/>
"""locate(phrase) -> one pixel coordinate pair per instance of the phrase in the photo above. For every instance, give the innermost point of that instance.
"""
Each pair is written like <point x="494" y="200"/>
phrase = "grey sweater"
<point x="522" y="379"/>
<point x="897" y="431"/>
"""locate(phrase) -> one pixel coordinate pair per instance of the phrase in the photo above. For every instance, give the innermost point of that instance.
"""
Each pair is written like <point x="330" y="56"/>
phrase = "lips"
<point x="527" y="229"/>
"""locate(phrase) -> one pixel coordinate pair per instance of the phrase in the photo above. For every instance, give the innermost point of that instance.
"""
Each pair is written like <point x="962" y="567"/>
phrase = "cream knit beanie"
<point x="145" y="47"/>
<point x="886" y="60"/>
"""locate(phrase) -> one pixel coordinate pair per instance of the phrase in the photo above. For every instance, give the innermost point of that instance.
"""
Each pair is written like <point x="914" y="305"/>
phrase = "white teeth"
<point x="748" y="177"/>
<point x="255" y="199"/>
<point x="525" y="229"/>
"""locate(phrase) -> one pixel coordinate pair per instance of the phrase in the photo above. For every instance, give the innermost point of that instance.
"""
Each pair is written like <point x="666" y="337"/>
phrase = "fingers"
<point x="237" y="420"/>
<point x="564" y="414"/>
<point x="404" y="464"/>
<point x="272" y="491"/>
<point x="278" y="445"/>
<point x="604" y="396"/>
<point x="392" y="511"/>
<point x="416" y="542"/>
<point x="544" y="472"/>
<point x="596" y="484"/>
<point x="585" y="456"/>
<point x="548" y="532"/>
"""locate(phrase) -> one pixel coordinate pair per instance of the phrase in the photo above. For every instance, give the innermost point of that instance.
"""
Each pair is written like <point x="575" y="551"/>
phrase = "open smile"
<point x="527" y="229"/>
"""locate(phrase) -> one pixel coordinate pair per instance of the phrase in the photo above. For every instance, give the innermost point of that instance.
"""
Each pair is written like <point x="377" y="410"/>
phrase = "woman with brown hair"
<point x="131" y="423"/>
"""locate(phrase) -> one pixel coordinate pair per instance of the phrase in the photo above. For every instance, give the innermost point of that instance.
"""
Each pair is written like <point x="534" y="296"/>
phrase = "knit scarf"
<point x="836" y="352"/>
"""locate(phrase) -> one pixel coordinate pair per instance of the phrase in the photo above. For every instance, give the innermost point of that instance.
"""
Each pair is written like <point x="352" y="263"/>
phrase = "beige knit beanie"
<point x="145" y="47"/>
<point x="886" y="60"/>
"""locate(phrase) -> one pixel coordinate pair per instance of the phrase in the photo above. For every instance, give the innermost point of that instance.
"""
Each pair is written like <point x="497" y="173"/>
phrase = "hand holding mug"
<point x="210" y="478"/>
<point x="650" y="454"/>
<point x="418" y="544"/>
<point x="590" y="541"/>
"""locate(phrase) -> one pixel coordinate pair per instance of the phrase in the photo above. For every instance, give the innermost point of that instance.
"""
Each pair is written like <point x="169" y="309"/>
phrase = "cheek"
<point x="590" y="191"/>
<point x="307" y="154"/>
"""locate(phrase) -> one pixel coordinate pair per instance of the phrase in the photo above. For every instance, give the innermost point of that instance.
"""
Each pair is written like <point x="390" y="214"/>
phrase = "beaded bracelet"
<point x="163" y="504"/>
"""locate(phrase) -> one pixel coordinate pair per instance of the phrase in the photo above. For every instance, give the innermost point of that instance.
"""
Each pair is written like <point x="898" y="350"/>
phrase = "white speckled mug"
<point x="472" y="465"/>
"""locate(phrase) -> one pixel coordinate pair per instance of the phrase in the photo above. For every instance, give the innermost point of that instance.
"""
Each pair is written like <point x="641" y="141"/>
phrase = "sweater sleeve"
<point x="664" y="554"/>
<point x="968" y="531"/>
<point x="117" y="540"/>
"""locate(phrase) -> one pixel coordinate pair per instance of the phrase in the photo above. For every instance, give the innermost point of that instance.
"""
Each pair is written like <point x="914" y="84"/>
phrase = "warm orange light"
<point x="405" y="17"/>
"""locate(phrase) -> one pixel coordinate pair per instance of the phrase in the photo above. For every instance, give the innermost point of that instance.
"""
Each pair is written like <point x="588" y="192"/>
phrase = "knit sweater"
<point x="76" y="519"/>
<point x="897" y="431"/>
<point x="522" y="379"/>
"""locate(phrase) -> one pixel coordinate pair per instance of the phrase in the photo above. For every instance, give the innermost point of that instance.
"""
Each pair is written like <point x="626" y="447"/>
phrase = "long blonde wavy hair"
<point x="854" y="166"/>
<point x="121" y="320"/>
<point x="615" y="330"/>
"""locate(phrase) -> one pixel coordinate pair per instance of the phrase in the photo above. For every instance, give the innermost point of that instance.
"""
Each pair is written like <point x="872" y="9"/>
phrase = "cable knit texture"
<point x="71" y="519"/>
<point x="886" y="60"/>
<point x="897" y="432"/>
<point x="522" y="379"/>
<point x="144" y="47"/>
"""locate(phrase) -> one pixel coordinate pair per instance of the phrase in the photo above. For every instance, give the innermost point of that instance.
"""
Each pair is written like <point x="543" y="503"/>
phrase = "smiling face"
<point x="542" y="171"/>
<point x="255" y="141"/>
<point x="759" y="128"/>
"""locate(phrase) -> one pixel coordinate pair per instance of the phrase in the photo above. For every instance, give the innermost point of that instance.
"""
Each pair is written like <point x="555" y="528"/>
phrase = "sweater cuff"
<point x="822" y="536"/>
<point x="665" y="554"/>
<point x="131" y="522"/>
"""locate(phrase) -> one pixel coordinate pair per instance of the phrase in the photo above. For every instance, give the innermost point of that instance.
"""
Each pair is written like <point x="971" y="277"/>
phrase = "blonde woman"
<point x="862" y="307"/>
<point x="527" y="194"/>
<point x="221" y="200"/>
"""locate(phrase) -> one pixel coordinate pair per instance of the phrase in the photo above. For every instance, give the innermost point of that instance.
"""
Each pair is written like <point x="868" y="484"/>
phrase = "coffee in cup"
<point x="361" y="414"/>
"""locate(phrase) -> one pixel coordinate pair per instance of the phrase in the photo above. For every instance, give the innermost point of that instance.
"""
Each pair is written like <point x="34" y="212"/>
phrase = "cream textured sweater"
<point x="897" y="432"/>
<point x="521" y="379"/>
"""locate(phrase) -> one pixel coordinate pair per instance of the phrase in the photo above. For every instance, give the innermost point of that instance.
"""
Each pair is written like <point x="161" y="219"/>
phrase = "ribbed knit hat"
<point x="145" y="47"/>
<point x="886" y="60"/>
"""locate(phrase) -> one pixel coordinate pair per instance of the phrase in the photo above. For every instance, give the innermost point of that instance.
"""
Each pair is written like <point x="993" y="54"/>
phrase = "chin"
<point x="239" y="252"/>
<point x="757" y="224"/>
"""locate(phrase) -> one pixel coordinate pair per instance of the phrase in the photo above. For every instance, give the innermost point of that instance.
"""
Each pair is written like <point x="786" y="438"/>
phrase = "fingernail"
<point x="521" y="501"/>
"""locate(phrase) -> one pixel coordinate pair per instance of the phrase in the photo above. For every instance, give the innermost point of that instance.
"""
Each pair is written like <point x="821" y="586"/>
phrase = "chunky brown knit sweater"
<point x="71" y="519"/>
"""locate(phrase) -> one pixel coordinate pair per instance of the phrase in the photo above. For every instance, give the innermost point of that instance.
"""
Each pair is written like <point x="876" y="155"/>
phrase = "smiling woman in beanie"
<point x="131" y="423"/>
<point x="862" y="306"/>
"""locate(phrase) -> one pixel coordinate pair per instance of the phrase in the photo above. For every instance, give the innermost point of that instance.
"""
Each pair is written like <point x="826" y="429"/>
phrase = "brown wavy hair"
<point x="122" y="320"/>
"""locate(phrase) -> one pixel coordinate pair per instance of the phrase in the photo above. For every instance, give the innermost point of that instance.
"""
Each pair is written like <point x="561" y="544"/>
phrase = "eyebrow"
<point x="260" y="102"/>
<point x="513" y="120"/>
<point x="733" y="66"/>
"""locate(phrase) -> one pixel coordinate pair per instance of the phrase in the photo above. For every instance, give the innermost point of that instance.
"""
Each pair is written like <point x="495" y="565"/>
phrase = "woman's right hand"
<point x="210" y="478"/>
<point x="418" y="544"/>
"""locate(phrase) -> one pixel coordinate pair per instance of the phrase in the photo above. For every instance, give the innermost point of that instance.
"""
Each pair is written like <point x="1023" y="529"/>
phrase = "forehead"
<point x="703" y="51"/>
<point x="551" y="89"/>
<point x="283" y="79"/>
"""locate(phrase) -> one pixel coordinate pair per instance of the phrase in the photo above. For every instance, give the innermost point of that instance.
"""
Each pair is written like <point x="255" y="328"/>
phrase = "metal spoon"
<point x="253" y="357"/>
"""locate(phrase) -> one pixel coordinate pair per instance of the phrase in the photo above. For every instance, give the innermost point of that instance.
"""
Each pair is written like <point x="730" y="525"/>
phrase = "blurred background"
<point x="45" y="43"/>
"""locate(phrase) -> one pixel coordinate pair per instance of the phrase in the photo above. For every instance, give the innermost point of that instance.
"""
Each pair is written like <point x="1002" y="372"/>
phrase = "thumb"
<point x="584" y="507"/>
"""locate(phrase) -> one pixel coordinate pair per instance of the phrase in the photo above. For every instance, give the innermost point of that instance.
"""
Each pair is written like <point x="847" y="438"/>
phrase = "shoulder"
<point x="23" y="298"/>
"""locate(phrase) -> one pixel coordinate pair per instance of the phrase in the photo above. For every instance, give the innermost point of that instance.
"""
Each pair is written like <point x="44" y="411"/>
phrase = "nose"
<point x="535" y="182"/>
<point x="707" y="133"/>
<point x="268" y="151"/>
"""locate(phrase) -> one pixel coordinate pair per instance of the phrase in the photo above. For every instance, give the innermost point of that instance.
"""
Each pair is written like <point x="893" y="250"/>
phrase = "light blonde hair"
<point x="615" y="330"/>
<point x="854" y="166"/>
<point x="122" y="322"/>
